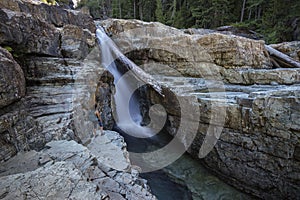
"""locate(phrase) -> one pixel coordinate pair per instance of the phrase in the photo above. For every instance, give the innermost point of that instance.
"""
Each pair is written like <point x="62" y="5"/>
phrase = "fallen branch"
<point x="274" y="63"/>
<point x="281" y="58"/>
<point x="140" y="74"/>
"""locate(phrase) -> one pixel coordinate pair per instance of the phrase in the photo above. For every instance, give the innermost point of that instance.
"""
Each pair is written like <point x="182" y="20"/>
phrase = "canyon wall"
<point x="49" y="68"/>
<point x="49" y="44"/>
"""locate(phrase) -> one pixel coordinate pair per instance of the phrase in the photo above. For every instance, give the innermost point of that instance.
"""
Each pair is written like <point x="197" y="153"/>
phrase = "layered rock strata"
<point x="49" y="43"/>
<point x="47" y="102"/>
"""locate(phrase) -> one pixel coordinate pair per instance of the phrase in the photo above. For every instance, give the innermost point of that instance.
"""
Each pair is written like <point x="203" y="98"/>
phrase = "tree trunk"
<point x="250" y="13"/>
<point x="259" y="12"/>
<point x="174" y="9"/>
<point x="134" y="9"/>
<point x="243" y="11"/>
<point x="282" y="59"/>
<point x="141" y="10"/>
<point x="120" y="10"/>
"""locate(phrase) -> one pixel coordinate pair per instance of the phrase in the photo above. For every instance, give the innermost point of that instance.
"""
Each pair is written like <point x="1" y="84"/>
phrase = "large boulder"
<point x="12" y="80"/>
<point x="231" y="51"/>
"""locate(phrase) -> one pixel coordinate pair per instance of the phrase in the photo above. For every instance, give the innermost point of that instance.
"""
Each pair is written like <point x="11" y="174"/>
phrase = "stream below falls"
<point x="185" y="179"/>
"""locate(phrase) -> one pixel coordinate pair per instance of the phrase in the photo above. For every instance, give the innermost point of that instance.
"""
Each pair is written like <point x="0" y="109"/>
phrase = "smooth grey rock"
<point x="50" y="95"/>
<point x="262" y="77"/>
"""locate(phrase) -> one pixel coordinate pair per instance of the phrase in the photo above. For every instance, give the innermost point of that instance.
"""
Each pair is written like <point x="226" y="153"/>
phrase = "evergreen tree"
<point x="159" y="12"/>
<point x="276" y="19"/>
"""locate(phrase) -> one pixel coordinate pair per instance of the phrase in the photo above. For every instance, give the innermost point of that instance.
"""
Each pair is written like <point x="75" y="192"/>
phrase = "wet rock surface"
<point x="201" y="183"/>
<point x="231" y="81"/>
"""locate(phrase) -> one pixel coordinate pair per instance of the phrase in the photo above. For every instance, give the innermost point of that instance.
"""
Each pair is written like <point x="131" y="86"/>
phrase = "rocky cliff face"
<point x="49" y="69"/>
<point x="49" y="43"/>
<point x="247" y="110"/>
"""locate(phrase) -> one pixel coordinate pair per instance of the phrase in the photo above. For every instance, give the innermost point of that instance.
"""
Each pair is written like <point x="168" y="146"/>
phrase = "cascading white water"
<point x="127" y="106"/>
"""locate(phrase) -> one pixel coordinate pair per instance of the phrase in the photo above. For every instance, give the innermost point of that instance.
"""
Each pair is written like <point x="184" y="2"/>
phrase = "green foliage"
<point x="272" y="18"/>
<point x="14" y="53"/>
<point x="49" y="2"/>
<point x="8" y="48"/>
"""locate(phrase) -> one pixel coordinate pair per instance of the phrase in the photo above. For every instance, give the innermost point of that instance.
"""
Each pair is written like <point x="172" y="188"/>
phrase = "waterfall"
<point x="128" y="117"/>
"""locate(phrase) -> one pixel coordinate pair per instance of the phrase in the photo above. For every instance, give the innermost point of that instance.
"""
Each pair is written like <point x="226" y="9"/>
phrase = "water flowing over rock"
<point x="236" y="91"/>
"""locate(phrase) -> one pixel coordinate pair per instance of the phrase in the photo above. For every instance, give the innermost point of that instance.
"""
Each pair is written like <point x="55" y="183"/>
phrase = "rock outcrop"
<point x="236" y="91"/>
<point x="68" y="170"/>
